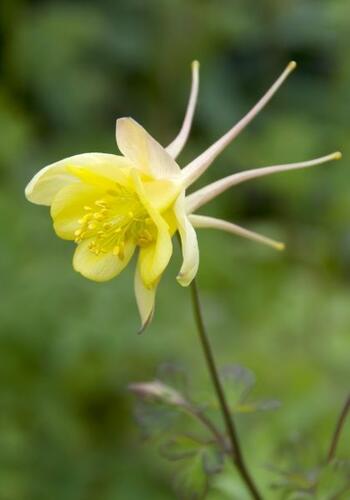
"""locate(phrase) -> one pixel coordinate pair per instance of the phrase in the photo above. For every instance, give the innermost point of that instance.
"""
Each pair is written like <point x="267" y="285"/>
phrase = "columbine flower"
<point x="111" y="205"/>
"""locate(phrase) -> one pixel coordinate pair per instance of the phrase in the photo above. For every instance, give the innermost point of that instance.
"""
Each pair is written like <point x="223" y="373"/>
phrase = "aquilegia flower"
<point x="112" y="205"/>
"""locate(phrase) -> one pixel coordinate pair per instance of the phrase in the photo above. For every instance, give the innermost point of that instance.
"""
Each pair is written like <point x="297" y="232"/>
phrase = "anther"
<point x="142" y="242"/>
<point x="112" y="192"/>
<point x="116" y="250"/>
<point x="121" y="250"/>
<point x="85" y="218"/>
<point x="100" y="203"/>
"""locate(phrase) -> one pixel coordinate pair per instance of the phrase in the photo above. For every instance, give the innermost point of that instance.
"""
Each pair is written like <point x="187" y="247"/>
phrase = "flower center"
<point x="114" y="219"/>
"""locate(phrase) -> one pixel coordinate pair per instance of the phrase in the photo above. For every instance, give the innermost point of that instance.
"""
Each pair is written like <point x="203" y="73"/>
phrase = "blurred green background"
<point x="68" y="347"/>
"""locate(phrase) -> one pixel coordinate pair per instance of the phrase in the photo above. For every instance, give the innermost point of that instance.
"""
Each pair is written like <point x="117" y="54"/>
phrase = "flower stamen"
<point x="113" y="220"/>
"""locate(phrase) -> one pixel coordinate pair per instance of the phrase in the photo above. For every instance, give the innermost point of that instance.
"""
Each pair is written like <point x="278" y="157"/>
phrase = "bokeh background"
<point x="68" y="347"/>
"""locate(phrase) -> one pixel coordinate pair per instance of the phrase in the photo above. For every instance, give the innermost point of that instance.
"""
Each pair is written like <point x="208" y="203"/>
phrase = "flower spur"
<point x="111" y="205"/>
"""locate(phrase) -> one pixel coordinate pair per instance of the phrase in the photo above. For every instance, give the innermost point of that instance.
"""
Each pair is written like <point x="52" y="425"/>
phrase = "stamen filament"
<point x="196" y="168"/>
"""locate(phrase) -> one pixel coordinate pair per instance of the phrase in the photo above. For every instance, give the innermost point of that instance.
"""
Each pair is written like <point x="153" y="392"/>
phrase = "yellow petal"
<point x="50" y="180"/>
<point x="162" y="193"/>
<point x="104" y="176"/>
<point x="145" y="298"/>
<point x="102" y="267"/>
<point x="68" y="207"/>
<point x="155" y="257"/>
<point x="189" y="244"/>
<point x="143" y="151"/>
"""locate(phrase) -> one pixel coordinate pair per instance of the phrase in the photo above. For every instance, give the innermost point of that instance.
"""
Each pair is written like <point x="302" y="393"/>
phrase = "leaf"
<point x="238" y="382"/>
<point x="294" y="482"/>
<point x="185" y="445"/>
<point x="268" y="404"/>
<point x="191" y="480"/>
<point x="197" y="460"/>
<point x="213" y="460"/>
<point x="159" y="406"/>
<point x="334" y="479"/>
<point x="300" y="495"/>
<point x="174" y="375"/>
<point x="196" y="470"/>
<point x="327" y="481"/>
<point x="155" y="419"/>
<point x="181" y="446"/>
<point x="254" y="406"/>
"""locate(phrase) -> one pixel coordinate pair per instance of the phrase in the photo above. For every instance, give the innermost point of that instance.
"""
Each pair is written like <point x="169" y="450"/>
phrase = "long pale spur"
<point x="113" y="205"/>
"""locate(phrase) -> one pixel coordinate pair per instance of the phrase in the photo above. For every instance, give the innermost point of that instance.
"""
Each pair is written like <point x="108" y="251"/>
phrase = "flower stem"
<point x="235" y="449"/>
<point x="338" y="429"/>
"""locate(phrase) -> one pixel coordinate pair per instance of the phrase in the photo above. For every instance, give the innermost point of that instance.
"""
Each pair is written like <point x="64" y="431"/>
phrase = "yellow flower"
<point x="111" y="205"/>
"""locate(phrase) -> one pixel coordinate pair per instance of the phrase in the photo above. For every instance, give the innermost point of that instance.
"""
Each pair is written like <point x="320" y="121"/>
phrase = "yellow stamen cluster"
<point x="113" y="220"/>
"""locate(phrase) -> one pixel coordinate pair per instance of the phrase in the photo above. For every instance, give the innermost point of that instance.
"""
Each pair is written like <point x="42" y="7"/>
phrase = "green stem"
<point x="206" y="422"/>
<point x="338" y="429"/>
<point x="235" y="448"/>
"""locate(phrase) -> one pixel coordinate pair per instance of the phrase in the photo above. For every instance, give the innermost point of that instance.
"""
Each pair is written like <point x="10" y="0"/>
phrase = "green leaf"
<point x="238" y="382"/>
<point x="155" y="419"/>
<point x="174" y="375"/>
<point x="181" y="446"/>
<point x="191" y="480"/>
<point x="254" y="406"/>
<point x="197" y="461"/>
<point x="334" y="479"/>
<point x="300" y="495"/>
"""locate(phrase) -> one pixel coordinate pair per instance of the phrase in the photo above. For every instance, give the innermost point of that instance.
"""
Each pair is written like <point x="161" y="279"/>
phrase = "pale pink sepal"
<point x="196" y="168"/>
<point x="201" y="221"/>
<point x="206" y="194"/>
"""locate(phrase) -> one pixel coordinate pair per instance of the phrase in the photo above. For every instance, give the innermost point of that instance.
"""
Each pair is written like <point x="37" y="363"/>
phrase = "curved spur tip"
<point x="280" y="246"/>
<point x="195" y="64"/>
<point x="146" y="323"/>
<point x="179" y="278"/>
<point x="292" y="65"/>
